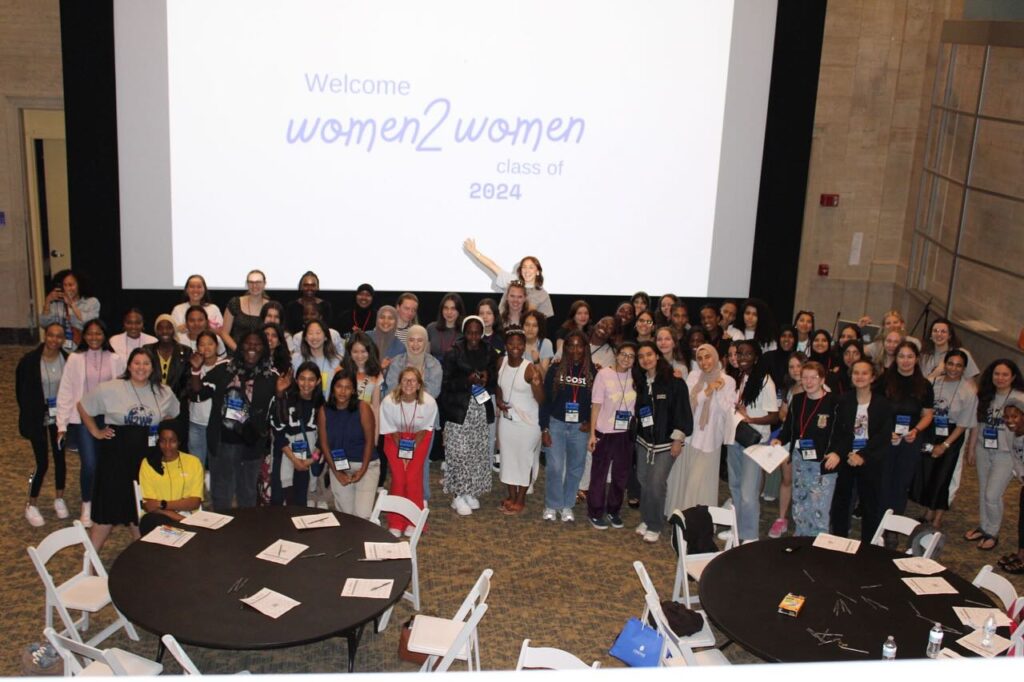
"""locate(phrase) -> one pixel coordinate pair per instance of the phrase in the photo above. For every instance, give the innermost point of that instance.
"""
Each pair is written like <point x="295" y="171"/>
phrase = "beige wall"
<point x="30" y="77"/>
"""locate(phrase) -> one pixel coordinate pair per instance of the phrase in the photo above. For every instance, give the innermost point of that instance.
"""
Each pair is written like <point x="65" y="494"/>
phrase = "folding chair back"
<point x="998" y="585"/>
<point x="904" y="525"/>
<point x="187" y="666"/>
<point x="726" y="516"/>
<point x="545" y="658"/>
<point x="71" y="651"/>
<point x="396" y="504"/>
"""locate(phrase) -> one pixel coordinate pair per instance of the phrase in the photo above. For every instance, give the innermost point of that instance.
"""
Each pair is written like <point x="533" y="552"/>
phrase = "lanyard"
<point x="362" y="327"/>
<point x="622" y="385"/>
<point x="515" y="373"/>
<point x="170" y="483"/>
<point x="98" y="368"/>
<point x="142" y="403"/>
<point x="50" y="387"/>
<point x="408" y="424"/>
<point x="956" y="389"/>
<point x="805" y="424"/>
<point x="576" y="385"/>
<point x="993" y="420"/>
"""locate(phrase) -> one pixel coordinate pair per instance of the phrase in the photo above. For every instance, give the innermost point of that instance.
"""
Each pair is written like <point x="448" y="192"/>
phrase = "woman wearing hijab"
<point x="694" y="476"/>
<point x="383" y="335"/>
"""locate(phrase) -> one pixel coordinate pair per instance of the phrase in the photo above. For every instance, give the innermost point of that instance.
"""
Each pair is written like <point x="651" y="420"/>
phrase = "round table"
<point x="740" y="591"/>
<point x="186" y="591"/>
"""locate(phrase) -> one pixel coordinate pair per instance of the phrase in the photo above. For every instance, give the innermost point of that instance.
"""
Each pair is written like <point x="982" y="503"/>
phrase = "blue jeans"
<point x="566" y="459"/>
<point x="745" y="487"/>
<point x="197" y="441"/>
<point x="88" y="451"/>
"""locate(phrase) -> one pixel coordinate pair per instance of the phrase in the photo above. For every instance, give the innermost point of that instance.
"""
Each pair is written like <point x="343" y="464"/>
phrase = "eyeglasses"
<point x="627" y="356"/>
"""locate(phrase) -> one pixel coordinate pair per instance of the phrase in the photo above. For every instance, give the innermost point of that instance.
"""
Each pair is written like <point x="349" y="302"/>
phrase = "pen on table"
<point x="382" y="585"/>
<point x="319" y="520"/>
<point x="235" y="586"/>
<point x="310" y="556"/>
<point x="280" y="548"/>
<point x="343" y="553"/>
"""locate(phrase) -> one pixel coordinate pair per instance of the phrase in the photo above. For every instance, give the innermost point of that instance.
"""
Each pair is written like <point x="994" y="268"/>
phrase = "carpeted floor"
<point x="563" y="585"/>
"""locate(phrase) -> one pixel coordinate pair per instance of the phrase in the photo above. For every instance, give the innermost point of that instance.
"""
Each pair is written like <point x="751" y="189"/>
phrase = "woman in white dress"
<point x="520" y="392"/>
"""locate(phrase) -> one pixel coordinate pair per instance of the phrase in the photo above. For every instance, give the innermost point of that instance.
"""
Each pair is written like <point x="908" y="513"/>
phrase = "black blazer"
<point x="670" y="406"/>
<point x="28" y="389"/>
<point x="179" y="370"/>
<point x="879" y="428"/>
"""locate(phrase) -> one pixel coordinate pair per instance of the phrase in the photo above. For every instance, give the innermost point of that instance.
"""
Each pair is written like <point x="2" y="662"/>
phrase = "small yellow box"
<point x="791" y="604"/>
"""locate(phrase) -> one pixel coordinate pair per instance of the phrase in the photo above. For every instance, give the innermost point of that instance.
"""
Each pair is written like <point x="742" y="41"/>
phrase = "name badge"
<point x="405" y="448"/>
<point x="807" y="449"/>
<point x="480" y="394"/>
<point x="572" y="413"/>
<point x="299" y="447"/>
<point x="990" y="434"/>
<point x="941" y="425"/>
<point x="152" y="435"/>
<point x="902" y="424"/>
<point x="621" y="420"/>
<point x="646" y="417"/>
<point x="859" y="444"/>
<point x="51" y="410"/>
<point x="339" y="459"/>
<point x="69" y="339"/>
<point x="235" y="409"/>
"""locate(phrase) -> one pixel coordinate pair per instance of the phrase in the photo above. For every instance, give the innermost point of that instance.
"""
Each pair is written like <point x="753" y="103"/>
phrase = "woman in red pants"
<point x="407" y="417"/>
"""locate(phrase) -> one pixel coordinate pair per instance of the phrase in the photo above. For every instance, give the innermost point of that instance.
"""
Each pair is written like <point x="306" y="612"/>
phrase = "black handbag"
<point x="747" y="435"/>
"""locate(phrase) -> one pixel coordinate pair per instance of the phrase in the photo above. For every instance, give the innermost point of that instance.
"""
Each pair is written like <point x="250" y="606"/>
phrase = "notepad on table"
<point x="972" y="641"/>
<point x="270" y="603"/>
<point x="836" y="543"/>
<point x="368" y="588"/>
<point x="381" y="551"/>
<point x="309" y="521"/>
<point x="282" y="551"/>
<point x="207" y="519"/>
<point x="168" y="536"/>
<point x="920" y="565"/>
<point x="975" y="617"/>
<point x="930" y="586"/>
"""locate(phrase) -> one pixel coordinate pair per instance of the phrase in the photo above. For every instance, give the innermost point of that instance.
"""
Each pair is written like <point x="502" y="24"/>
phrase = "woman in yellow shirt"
<point x="172" y="486"/>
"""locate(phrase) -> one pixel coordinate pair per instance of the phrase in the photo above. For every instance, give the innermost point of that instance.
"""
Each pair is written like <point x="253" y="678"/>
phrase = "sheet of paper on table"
<point x="836" y="543"/>
<point x="207" y="519"/>
<point x="930" y="586"/>
<point x="948" y="653"/>
<point x="270" y="603"/>
<point x="973" y="642"/>
<point x="369" y="588"/>
<point x="315" y="521"/>
<point x="168" y="536"/>
<point x="282" y="551"/>
<point x="380" y="551"/>
<point x="768" y="457"/>
<point x="920" y="565"/>
<point x="975" y="616"/>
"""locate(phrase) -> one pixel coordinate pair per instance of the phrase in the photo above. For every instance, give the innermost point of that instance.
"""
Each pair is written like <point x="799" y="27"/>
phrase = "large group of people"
<point x="294" y="404"/>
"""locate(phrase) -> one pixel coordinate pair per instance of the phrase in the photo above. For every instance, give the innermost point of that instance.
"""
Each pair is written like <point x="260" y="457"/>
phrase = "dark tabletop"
<point x="740" y="591"/>
<point x="184" y="591"/>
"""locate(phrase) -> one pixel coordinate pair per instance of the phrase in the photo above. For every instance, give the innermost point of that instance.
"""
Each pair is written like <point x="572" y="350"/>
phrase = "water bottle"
<point x="889" y="649"/>
<point x="934" y="641"/>
<point x="988" y="630"/>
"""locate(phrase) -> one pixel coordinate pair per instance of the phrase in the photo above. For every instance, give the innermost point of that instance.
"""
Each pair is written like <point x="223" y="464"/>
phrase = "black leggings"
<point x="39" y="446"/>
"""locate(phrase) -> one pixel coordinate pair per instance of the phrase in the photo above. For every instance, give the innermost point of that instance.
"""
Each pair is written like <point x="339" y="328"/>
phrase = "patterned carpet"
<point x="563" y="585"/>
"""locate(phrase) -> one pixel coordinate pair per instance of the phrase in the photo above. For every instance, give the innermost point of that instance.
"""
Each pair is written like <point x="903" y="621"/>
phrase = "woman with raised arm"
<point x="956" y="409"/>
<point x="195" y="293"/>
<point x="132" y="407"/>
<point x="36" y="381"/>
<point x="243" y="313"/>
<point x="467" y="408"/>
<point x="67" y="306"/>
<point x="528" y="270"/>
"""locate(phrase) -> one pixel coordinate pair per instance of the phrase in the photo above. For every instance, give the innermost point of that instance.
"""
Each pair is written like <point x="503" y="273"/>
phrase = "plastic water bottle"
<point x="889" y="649"/>
<point x="988" y="630"/>
<point x="934" y="641"/>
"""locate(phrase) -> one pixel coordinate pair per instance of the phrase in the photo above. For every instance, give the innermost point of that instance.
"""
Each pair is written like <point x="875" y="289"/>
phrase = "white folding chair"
<point x="674" y="651"/>
<point x="139" y="509"/>
<point x="1017" y="643"/>
<point x="96" y="662"/>
<point x="998" y="585"/>
<point x="699" y="639"/>
<point x="446" y="640"/>
<point x="418" y="518"/>
<point x="692" y="566"/>
<point x="904" y="525"/>
<point x="545" y="658"/>
<point x="86" y="591"/>
<point x="179" y="655"/>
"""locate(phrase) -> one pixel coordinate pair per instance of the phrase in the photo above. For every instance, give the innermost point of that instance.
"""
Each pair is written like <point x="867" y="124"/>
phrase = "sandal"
<point x="988" y="543"/>
<point x="1014" y="567"/>
<point x="974" y="535"/>
<point x="1008" y="559"/>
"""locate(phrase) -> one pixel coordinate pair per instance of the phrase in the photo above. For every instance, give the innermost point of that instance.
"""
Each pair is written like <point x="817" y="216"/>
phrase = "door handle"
<point x="56" y="254"/>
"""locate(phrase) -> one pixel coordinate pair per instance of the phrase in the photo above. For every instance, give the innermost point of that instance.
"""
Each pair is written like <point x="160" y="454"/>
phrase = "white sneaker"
<point x="460" y="507"/>
<point x="651" y="536"/>
<point x="641" y="529"/>
<point x="549" y="515"/>
<point x="394" y="531"/>
<point x="568" y="516"/>
<point x="61" y="508"/>
<point x="34" y="517"/>
<point x="472" y="502"/>
<point x="86" y="517"/>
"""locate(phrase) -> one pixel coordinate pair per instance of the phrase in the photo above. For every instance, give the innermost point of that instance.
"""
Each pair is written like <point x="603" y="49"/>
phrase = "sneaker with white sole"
<point x="641" y="529"/>
<point x="61" y="508"/>
<point x="409" y="530"/>
<point x="86" y="517"/>
<point x="568" y="516"/>
<point x="599" y="523"/>
<point x="460" y="506"/>
<point x="473" y="503"/>
<point x="549" y="515"/>
<point x="615" y="520"/>
<point x="35" y="518"/>
<point x="778" y="528"/>
<point x="651" y="536"/>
